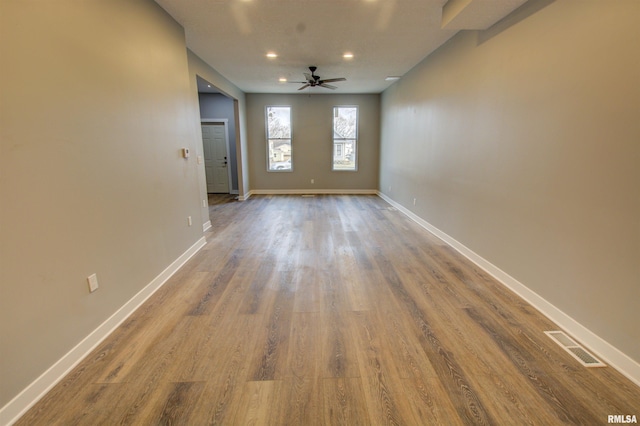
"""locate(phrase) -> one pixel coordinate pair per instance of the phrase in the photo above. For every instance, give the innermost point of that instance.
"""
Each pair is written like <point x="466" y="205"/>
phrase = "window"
<point x="345" y="137"/>
<point x="279" y="139"/>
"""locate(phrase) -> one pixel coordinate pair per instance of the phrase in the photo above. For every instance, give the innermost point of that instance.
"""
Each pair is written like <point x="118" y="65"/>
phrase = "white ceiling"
<point x="386" y="37"/>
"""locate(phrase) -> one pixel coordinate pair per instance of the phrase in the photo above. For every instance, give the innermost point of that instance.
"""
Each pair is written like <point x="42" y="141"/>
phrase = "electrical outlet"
<point x="189" y="221"/>
<point x="204" y="203"/>
<point x="93" y="282"/>
<point x="313" y="181"/>
<point x="414" y="201"/>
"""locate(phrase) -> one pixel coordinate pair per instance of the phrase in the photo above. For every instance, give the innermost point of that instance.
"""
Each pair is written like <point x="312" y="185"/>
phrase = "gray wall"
<point x="215" y="105"/>
<point x="523" y="143"/>
<point x="93" y="183"/>
<point x="312" y="142"/>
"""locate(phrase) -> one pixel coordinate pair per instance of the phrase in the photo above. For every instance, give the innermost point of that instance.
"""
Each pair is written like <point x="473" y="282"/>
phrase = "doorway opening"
<point x="219" y="139"/>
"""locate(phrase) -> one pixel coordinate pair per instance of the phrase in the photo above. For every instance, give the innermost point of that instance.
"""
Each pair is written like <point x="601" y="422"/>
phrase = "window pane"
<point x="345" y="133"/>
<point x="280" y="154"/>
<point x="279" y="122"/>
<point x="344" y="154"/>
<point x="279" y="138"/>
<point x="345" y="122"/>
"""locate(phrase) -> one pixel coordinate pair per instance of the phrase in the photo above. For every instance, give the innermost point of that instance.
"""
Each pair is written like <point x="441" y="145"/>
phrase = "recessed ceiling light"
<point x="348" y="55"/>
<point x="392" y="77"/>
<point x="271" y="55"/>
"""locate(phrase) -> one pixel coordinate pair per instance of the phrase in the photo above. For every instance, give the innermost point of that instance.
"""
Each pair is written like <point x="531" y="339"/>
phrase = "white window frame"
<point x="334" y="140"/>
<point x="268" y="139"/>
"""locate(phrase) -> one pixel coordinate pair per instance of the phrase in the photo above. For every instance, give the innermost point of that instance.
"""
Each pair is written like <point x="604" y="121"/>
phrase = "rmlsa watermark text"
<point x="622" y="418"/>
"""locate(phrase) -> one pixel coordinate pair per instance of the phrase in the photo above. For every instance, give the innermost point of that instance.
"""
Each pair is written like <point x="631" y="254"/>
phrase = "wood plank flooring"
<point x="334" y="310"/>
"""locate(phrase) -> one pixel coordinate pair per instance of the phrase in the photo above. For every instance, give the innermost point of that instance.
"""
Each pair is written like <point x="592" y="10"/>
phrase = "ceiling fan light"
<point x="348" y="55"/>
<point x="271" y="55"/>
<point x="282" y="80"/>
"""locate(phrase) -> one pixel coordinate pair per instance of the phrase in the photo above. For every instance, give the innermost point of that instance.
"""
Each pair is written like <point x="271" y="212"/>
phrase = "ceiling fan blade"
<point x="329" y="80"/>
<point x="328" y="86"/>
<point x="297" y="82"/>
<point x="304" y="87"/>
<point x="307" y="76"/>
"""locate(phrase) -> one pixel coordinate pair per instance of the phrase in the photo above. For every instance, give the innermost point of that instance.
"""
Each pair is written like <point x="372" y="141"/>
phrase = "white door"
<point x="214" y="141"/>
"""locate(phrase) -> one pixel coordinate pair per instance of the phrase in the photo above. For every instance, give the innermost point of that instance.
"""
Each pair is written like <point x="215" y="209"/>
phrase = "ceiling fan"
<point x="314" y="80"/>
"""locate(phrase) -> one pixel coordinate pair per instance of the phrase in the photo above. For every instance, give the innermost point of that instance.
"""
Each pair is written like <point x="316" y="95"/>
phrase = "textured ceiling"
<point x="386" y="37"/>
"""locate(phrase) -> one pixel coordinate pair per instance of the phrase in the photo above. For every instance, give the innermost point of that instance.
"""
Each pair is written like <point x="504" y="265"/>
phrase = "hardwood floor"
<point x="331" y="310"/>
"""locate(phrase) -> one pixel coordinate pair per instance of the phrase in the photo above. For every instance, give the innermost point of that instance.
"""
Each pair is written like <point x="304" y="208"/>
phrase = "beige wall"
<point x="312" y="143"/>
<point x="523" y="143"/>
<point x="96" y="104"/>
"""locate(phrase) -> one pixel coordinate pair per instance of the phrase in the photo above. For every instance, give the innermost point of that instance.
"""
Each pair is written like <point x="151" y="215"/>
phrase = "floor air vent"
<point x="574" y="349"/>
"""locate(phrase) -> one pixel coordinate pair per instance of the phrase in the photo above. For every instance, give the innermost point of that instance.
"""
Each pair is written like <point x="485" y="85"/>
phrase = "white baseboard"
<point x="312" y="192"/>
<point x="607" y="352"/>
<point x="206" y="226"/>
<point x="15" y="408"/>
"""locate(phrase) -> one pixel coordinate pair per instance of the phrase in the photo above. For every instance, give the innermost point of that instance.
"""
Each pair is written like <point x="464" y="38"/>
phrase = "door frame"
<point x="225" y="122"/>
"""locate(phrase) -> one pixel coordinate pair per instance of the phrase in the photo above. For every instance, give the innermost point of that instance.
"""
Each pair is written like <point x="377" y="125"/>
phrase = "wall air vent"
<point x="574" y="349"/>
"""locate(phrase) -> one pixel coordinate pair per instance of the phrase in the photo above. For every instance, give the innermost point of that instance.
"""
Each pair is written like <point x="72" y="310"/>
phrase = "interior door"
<point x="214" y="141"/>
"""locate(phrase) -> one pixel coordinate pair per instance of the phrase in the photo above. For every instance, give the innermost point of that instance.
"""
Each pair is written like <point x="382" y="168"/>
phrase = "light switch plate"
<point x="93" y="282"/>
